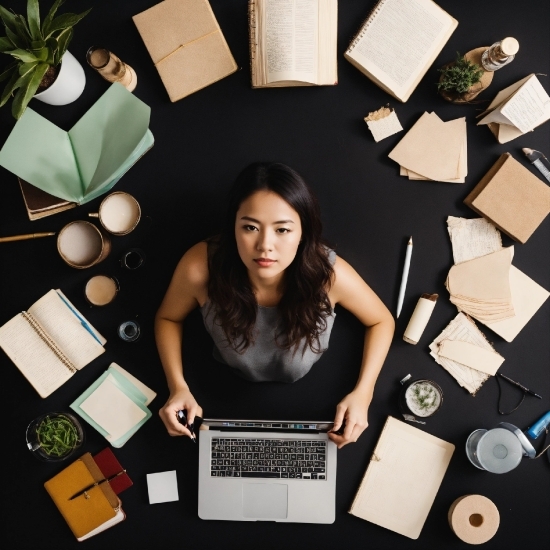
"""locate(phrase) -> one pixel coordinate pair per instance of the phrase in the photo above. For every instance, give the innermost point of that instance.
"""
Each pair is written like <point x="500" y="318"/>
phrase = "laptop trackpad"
<point x="265" y="500"/>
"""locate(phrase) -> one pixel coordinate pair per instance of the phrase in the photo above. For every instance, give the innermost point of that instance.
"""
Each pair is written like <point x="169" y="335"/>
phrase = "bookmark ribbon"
<point x="185" y="45"/>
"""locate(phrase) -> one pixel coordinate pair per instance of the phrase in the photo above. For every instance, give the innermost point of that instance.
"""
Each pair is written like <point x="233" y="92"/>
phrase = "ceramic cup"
<point x="101" y="290"/>
<point x="81" y="244"/>
<point x="119" y="213"/>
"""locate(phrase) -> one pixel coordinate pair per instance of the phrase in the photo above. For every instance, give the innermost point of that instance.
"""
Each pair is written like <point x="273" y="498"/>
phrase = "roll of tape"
<point x="420" y="317"/>
<point x="474" y="519"/>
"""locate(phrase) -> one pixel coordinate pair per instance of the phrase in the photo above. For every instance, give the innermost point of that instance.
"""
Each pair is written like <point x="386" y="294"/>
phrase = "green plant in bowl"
<point x="54" y="436"/>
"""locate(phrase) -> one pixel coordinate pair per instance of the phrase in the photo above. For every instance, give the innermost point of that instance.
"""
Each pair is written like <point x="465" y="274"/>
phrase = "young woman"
<point x="267" y="287"/>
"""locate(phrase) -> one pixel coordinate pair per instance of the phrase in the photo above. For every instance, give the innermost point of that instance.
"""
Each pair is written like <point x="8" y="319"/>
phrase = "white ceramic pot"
<point x="68" y="85"/>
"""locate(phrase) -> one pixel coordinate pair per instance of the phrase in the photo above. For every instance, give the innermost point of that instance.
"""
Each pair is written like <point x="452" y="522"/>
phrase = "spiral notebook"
<point x="50" y="342"/>
<point x="398" y="42"/>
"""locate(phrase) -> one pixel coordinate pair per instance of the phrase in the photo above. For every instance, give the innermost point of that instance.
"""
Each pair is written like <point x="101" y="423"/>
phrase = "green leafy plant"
<point x="57" y="436"/>
<point x="459" y="76"/>
<point x="36" y="47"/>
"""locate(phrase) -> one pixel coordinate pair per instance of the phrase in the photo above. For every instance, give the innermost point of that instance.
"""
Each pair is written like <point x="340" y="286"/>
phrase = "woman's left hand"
<point x="352" y="412"/>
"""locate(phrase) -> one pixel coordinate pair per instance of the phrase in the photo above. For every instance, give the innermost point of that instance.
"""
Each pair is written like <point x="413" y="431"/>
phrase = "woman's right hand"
<point x="178" y="401"/>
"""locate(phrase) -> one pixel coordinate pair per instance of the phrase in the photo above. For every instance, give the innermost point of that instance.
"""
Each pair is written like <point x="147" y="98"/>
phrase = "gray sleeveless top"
<point x="264" y="360"/>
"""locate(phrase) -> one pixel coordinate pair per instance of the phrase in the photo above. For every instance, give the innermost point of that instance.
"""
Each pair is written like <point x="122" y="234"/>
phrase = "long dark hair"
<point x="305" y="304"/>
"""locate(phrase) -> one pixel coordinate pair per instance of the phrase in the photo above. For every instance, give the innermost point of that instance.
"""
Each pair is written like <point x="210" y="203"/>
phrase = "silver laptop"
<point x="267" y="470"/>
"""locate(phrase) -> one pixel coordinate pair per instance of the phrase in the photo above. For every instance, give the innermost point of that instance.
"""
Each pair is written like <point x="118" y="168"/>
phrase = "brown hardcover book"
<point x="91" y="512"/>
<point x="398" y="42"/>
<point x="293" y="44"/>
<point x="511" y="197"/>
<point x="40" y="204"/>
<point x="186" y="45"/>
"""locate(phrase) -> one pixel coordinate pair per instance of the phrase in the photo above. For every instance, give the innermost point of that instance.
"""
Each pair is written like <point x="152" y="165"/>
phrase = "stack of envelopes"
<point x="481" y="287"/>
<point x="433" y="150"/>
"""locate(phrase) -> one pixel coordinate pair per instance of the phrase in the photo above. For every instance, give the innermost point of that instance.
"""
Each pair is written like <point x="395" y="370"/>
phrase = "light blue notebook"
<point x="115" y="405"/>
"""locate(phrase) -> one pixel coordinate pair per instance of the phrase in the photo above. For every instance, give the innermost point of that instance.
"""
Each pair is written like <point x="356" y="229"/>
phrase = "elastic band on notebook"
<point x="184" y="45"/>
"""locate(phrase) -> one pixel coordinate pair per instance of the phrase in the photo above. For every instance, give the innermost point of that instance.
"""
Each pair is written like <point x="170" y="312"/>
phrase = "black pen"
<point x="527" y="390"/>
<point x="182" y="419"/>
<point x="85" y="491"/>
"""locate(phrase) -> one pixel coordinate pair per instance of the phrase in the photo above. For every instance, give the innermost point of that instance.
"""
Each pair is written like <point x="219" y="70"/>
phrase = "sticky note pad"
<point x="162" y="487"/>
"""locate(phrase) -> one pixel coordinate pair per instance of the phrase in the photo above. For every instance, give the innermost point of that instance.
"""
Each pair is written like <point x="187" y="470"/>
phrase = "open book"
<point x="87" y="161"/>
<point x="517" y="109"/>
<point x="293" y="43"/>
<point x="398" y="42"/>
<point x="50" y="342"/>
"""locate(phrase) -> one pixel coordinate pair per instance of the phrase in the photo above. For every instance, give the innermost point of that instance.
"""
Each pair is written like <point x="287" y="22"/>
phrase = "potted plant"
<point x="41" y="61"/>
<point x="463" y="79"/>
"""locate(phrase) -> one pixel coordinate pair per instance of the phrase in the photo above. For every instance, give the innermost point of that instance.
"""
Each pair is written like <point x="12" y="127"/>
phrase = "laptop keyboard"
<point x="268" y="458"/>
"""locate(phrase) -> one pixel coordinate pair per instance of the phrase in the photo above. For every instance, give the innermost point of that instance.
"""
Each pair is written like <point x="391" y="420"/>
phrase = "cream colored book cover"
<point x="402" y="478"/>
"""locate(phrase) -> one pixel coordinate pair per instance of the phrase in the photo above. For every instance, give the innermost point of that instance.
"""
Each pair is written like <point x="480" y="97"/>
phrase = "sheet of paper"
<point x="527" y="297"/>
<point x="431" y="148"/>
<point x="472" y="238"/>
<point x="112" y="409"/>
<point x="402" y="478"/>
<point x="162" y="487"/>
<point x="464" y="330"/>
<point x="148" y="392"/>
<point x="472" y="356"/>
<point x="384" y="127"/>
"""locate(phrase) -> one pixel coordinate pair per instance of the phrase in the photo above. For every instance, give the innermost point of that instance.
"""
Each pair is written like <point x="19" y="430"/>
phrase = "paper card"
<point x="432" y="148"/>
<point x="384" y="127"/>
<point x="112" y="409"/>
<point x="147" y="392"/>
<point x="162" y="487"/>
<point x="471" y="355"/>
<point x="472" y="238"/>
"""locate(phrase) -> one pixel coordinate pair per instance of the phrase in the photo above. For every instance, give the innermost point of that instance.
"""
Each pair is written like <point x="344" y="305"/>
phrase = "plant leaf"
<point x="65" y="21"/>
<point x="10" y="87"/>
<point x="63" y="43"/>
<point x="37" y="44"/>
<point x="22" y="55"/>
<point x="18" y="41"/>
<point x="27" y="90"/>
<point x="49" y="18"/>
<point x="33" y="18"/>
<point x="8" y="71"/>
<point x="42" y="54"/>
<point x="6" y="44"/>
<point x="8" y="18"/>
<point x="22" y="28"/>
<point x="25" y="67"/>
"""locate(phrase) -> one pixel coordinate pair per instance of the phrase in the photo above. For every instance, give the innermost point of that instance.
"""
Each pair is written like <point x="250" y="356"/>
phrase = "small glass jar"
<point x="54" y="436"/>
<point x="421" y="398"/>
<point x="499" y="54"/>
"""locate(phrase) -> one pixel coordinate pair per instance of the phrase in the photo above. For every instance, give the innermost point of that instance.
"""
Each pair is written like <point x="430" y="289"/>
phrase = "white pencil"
<point x="405" y="276"/>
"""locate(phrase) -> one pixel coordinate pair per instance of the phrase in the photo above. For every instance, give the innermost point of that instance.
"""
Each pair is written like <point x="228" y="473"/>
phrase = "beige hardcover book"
<point x="512" y="198"/>
<point x="186" y="45"/>
<point x="50" y="342"/>
<point x="293" y="43"/>
<point x="517" y="109"/>
<point x="398" y="42"/>
<point x="402" y="478"/>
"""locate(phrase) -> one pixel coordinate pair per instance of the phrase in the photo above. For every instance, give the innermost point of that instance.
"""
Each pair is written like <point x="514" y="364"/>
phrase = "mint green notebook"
<point x="120" y="412"/>
<point x="89" y="159"/>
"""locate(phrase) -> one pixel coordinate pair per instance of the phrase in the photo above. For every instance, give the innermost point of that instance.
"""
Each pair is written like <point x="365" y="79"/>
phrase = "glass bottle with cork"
<point x="499" y="54"/>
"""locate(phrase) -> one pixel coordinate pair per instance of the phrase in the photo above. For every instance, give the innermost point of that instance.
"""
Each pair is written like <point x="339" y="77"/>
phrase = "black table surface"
<point x="369" y="212"/>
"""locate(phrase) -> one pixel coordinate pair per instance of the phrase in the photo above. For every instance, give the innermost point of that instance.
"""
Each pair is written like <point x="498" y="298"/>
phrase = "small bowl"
<point x="54" y="436"/>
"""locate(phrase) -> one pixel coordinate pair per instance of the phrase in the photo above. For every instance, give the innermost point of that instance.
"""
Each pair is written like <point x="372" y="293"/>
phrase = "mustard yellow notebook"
<point x="91" y="512"/>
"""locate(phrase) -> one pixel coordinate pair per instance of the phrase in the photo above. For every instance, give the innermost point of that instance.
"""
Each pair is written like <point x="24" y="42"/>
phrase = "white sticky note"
<point x="162" y="487"/>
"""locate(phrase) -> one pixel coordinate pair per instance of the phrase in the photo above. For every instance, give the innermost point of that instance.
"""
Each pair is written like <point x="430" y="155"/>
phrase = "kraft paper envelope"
<point x="471" y="355"/>
<point x="483" y="279"/>
<point x="431" y="148"/>
<point x="527" y="297"/>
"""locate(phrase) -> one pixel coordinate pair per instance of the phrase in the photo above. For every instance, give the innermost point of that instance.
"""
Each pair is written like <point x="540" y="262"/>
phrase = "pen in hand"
<point x="182" y="419"/>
